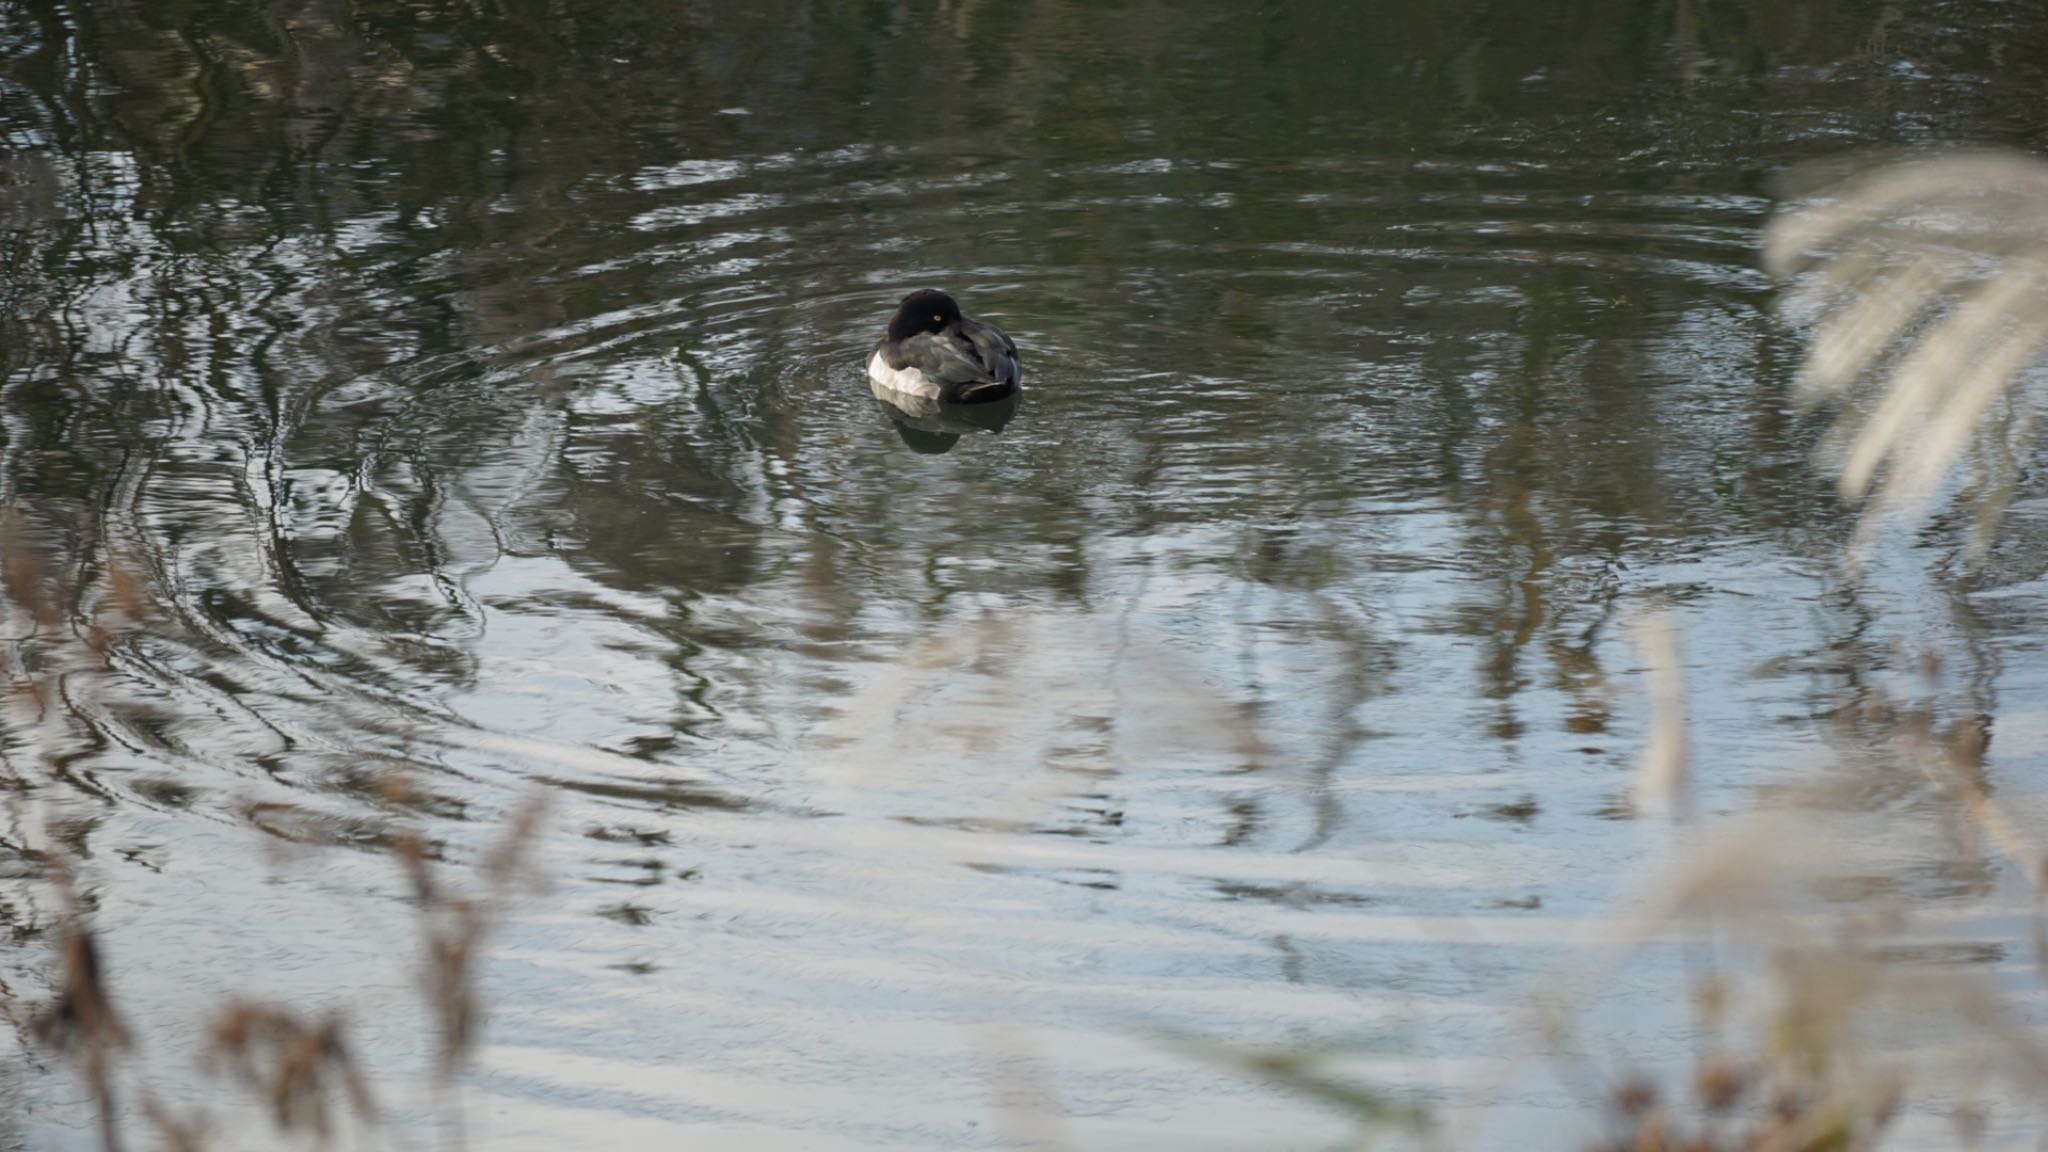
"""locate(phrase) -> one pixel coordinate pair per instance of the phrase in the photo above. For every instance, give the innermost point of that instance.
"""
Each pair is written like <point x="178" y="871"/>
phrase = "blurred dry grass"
<point x="1926" y="282"/>
<point x="80" y="1023"/>
<point x="1923" y="281"/>
<point x="1820" y="1020"/>
<point x="293" y="1063"/>
<point x="302" y="1069"/>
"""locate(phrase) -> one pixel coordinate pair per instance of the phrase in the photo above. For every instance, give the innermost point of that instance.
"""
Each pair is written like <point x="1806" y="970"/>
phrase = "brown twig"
<point x="81" y="1021"/>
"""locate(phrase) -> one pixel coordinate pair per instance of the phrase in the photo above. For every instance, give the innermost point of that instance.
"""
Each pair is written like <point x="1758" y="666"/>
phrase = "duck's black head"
<point x="924" y="310"/>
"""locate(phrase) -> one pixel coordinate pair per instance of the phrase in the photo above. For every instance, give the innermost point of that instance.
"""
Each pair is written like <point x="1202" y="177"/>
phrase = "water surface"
<point x="471" y="395"/>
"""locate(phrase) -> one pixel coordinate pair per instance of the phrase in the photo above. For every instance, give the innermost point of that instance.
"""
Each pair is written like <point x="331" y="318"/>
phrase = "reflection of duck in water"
<point x="930" y="427"/>
<point x="934" y="354"/>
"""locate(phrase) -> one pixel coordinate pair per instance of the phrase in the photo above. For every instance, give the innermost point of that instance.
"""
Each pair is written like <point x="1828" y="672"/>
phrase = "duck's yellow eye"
<point x="937" y="318"/>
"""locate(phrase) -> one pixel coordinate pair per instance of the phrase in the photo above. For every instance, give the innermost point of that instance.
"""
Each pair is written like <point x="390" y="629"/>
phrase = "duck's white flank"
<point x="908" y="381"/>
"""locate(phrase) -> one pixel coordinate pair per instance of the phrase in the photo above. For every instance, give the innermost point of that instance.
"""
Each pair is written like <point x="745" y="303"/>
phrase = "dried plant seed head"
<point x="1720" y="1084"/>
<point x="1635" y="1096"/>
<point x="293" y="1064"/>
<point x="1710" y="996"/>
<point x="395" y="786"/>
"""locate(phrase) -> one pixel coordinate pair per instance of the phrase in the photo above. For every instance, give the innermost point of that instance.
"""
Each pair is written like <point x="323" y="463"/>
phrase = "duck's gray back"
<point x="994" y="349"/>
<point x="977" y="354"/>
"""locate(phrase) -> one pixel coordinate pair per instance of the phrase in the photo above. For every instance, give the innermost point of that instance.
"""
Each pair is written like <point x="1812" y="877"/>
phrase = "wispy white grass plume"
<point x="1926" y="281"/>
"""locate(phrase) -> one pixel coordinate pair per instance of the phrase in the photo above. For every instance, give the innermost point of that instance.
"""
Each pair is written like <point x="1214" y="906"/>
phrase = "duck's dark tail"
<point x="982" y="391"/>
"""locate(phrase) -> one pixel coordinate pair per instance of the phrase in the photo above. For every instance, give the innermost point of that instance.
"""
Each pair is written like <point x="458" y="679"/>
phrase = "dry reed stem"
<point x="1026" y="1100"/>
<point x="453" y="929"/>
<point x="81" y="1021"/>
<point x="175" y="1135"/>
<point x="1960" y="759"/>
<point x="1663" y="782"/>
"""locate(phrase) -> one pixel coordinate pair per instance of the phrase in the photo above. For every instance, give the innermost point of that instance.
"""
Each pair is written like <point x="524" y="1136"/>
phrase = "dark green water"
<point x="473" y="391"/>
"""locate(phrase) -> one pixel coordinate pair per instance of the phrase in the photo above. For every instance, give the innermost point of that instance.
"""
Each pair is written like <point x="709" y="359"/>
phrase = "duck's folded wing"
<point x="940" y="357"/>
<point x="993" y="347"/>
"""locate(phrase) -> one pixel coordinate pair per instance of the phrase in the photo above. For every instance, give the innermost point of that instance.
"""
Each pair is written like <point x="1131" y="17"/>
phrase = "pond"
<point x="408" y="408"/>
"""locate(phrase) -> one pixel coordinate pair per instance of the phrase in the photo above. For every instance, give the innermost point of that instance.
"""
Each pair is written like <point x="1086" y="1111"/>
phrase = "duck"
<point x="934" y="353"/>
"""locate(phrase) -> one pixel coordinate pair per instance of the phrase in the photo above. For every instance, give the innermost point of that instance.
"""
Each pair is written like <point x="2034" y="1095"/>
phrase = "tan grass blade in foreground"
<point x="1927" y="286"/>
